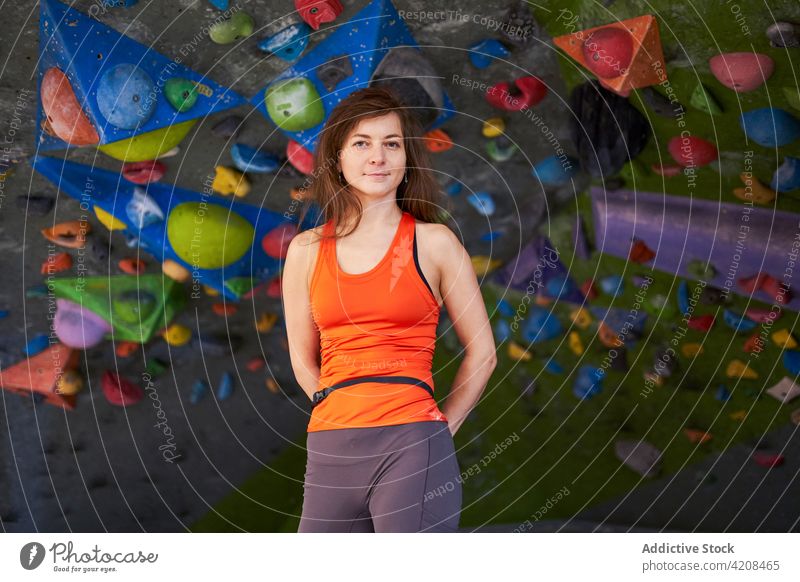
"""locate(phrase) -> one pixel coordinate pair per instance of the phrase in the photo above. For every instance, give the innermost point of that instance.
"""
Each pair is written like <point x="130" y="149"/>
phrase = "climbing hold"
<point x="225" y="387"/>
<point x="639" y="456"/>
<point x="175" y="271"/>
<point x="35" y="204"/>
<point x="701" y="270"/>
<point x="683" y="297"/>
<point x="784" y="391"/>
<point x="56" y="263"/>
<point x="177" y="335"/>
<point x="502" y="331"/>
<point x="70" y="383"/>
<point x="660" y="104"/>
<point x="712" y="296"/>
<point x="132" y="266"/>
<point x="691" y="151"/>
<point x="64" y="116"/>
<point x="228" y="181"/>
<point x="150" y="145"/>
<point x="289" y="43"/>
<point x="276" y="242"/>
<point x="318" y="12"/>
<point x="588" y="289"/>
<point x="641" y="253"/>
<point x="36" y="292"/>
<point x="777" y="291"/>
<point x="555" y="171"/>
<point x="108" y="220"/>
<point x="754" y="344"/>
<point x="722" y="394"/>
<point x="607" y="130"/>
<point x="767" y="460"/>
<point x="484" y="52"/>
<point x="518" y="27"/>
<point x="738" y="415"/>
<point x="701" y="322"/>
<point x="612" y="285"/>
<point x="787" y="177"/>
<point x="240" y="25"/>
<point x="666" y="171"/>
<point x="123" y="96"/>
<point x="266" y="321"/>
<point x="784" y="35"/>
<point x="224" y="309"/>
<point x="181" y="93"/>
<point x="792" y="95"/>
<point x="272" y="386"/>
<point x="199" y="389"/>
<point x="581" y="317"/>
<point x="691" y="350"/>
<point x="493" y="127"/>
<point x="37" y="344"/>
<point x="754" y="190"/>
<point x="501" y="149"/>
<point x="553" y="367"/>
<point x="294" y="104"/>
<point x="156" y="367"/>
<point x="791" y="361"/>
<point x="697" y="436"/>
<point x="252" y="160"/>
<point x="71" y="234"/>
<point x="78" y="327"/>
<point x="588" y="382"/>
<point x="120" y="391"/>
<point x="126" y="349"/>
<point x="658" y="305"/>
<point x="255" y="364"/>
<point x="301" y="158"/>
<point x="762" y="315"/>
<point x="742" y="72"/>
<point x="437" y="141"/>
<point x="608" y="51"/>
<point x="703" y="100"/>
<point x="482" y="202"/>
<point x="482" y="265"/>
<point x="143" y="172"/>
<point x="38" y="375"/>
<point x="142" y="210"/>
<point x="575" y="343"/>
<point x="783" y="339"/>
<point x="517" y="353"/>
<point x="524" y="94"/>
<point x="453" y="188"/>
<point x="229" y="127"/>
<point x="770" y="127"/>
<point x="737" y="322"/>
<point x="741" y="370"/>
<point x="505" y="308"/>
<point x="665" y="362"/>
<point x="541" y="325"/>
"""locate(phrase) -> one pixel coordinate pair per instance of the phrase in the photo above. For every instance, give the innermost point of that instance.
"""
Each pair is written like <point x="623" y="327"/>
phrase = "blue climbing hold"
<point x="737" y="322"/>
<point x="559" y="286"/>
<point x="541" y="325"/>
<point x="453" y="188"/>
<point x="124" y="96"/>
<point x="502" y="330"/>
<point x="484" y="52"/>
<point x="4" y="313"/>
<point x="683" y="297"/>
<point x="505" y="309"/>
<point x="553" y="367"/>
<point x="220" y="4"/>
<point x="491" y="235"/>
<point x="770" y="127"/>
<point x="791" y="361"/>
<point x="612" y="285"/>
<point x="38" y="344"/>
<point x="142" y="210"/>
<point x="225" y="388"/>
<point x="117" y="3"/>
<point x="252" y="160"/>
<point x="554" y="171"/>
<point x="287" y="44"/>
<point x="199" y="389"/>
<point x="482" y="202"/>
<point x="722" y="394"/>
<point x="588" y="382"/>
<point x="787" y="177"/>
<point x="36" y="291"/>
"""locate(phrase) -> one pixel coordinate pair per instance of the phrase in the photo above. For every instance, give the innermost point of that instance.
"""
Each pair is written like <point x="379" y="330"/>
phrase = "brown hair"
<point x="420" y="196"/>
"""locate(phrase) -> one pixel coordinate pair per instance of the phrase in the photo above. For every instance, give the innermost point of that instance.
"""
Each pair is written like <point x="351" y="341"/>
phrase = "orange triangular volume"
<point x="647" y="64"/>
<point x="40" y="374"/>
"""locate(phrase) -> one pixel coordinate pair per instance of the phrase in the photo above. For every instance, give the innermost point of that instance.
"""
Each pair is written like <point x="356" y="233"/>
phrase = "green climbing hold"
<point x="181" y="93"/>
<point x="237" y="27"/>
<point x="208" y="236"/>
<point x="701" y="270"/>
<point x="703" y="100"/>
<point x="792" y="95"/>
<point x="239" y="285"/>
<point x="295" y="104"/>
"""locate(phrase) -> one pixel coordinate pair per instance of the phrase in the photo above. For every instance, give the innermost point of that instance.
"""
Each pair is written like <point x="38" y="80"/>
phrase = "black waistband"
<point x="322" y="394"/>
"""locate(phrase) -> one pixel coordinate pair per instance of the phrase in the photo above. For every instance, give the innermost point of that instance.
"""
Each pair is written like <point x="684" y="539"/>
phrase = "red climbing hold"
<point x="57" y="263"/>
<point x="300" y="157"/>
<point x="752" y="284"/>
<point x="608" y="51"/>
<point x="126" y="349"/>
<point x="276" y="242"/>
<point x="437" y="141"/>
<point x="742" y="72"/>
<point x="754" y="343"/>
<point x="768" y="460"/>
<point x="692" y="151"/>
<point x="132" y="266"/>
<point x="255" y="364"/>
<point x="667" y="171"/>
<point x="762" y="315"/>
<point x="65" y="117"/>
<point x="526" y="92"/>
<point x="274" y="288"/>
<point x="119" y="391"/>
<point x="143" y="172"/>
<point x="778" y="292"/>
<point x="641" y="253"/>
<point x="588" y="289"/>
<point x="318" y="12"/>
<point x="701" y="322"/>
<point x="224" y="309"/>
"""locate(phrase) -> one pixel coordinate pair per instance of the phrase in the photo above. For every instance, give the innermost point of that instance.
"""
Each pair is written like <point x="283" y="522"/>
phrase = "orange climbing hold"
<point x="41" y="373"/>
<point x="697" y="436"/>
<point x="71" y="234"/>
<point x="224" y="309"/>
<point x="132" y="266"/>
<point x="126" y="349"/>
<point x="57" y="263"/>
<point x="437" y="141"/>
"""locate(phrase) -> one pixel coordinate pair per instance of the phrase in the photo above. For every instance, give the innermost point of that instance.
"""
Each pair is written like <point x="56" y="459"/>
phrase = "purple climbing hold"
<point x="77" y="326"/>
<point x="580" y="240"/>
<point x="787" y="177"/>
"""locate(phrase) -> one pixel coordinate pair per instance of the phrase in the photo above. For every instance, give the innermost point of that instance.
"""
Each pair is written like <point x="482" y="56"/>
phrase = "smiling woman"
<point x="362" y="296"/>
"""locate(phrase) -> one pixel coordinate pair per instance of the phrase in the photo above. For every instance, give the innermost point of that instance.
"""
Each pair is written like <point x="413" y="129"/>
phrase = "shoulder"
<point x="304" y="246"/>
<point x="437" y="238"/>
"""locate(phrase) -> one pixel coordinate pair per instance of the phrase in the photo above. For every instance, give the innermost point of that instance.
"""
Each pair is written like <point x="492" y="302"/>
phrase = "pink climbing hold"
<point x="276" y="242"/>
<point x="78" y="327"/>
<point x="143" y="172"/>
<point x="119" y="391"/>
<point x="762" y="315"/>
<point x="692" y="151"/>
<point x="742" y="72"/>
<point x="667" y="171"/>
<point x="768" y="460"/>
<point x="608" y="52"/>
<point x="300" y="157"/>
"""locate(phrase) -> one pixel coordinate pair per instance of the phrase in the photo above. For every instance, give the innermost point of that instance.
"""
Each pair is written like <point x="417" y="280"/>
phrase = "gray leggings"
<point x="402" y="478"/>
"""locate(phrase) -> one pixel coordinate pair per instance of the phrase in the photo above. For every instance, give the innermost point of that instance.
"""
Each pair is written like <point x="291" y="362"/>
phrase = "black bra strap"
<point x="322" y="394"/>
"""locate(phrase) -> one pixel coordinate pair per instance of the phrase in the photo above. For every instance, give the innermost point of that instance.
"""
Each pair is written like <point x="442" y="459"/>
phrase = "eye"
<point x="393" y="145"/>
<point x="359" y="144"/>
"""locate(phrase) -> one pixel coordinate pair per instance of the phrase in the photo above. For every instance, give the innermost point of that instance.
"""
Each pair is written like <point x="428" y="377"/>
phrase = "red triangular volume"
<point x="623" y="55"/>
<point x="40" y="373"/>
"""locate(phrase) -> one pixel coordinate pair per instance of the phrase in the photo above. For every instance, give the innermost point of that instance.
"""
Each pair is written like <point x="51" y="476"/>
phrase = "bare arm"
<point x="464" y="303"/>
<point x="301" y="331"/>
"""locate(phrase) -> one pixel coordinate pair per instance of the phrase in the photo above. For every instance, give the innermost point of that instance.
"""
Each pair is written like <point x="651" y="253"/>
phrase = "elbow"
<point x="487" y="358"/>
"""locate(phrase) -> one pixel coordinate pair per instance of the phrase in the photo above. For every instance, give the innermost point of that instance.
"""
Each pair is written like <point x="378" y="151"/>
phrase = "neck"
<point x="376" y="213"/>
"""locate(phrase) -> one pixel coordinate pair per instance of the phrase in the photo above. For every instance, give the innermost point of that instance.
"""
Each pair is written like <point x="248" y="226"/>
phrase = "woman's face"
<point x="373" y="156"/>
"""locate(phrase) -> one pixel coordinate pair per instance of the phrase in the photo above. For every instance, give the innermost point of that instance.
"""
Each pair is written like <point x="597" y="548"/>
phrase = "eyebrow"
<point x="370" y="137"/>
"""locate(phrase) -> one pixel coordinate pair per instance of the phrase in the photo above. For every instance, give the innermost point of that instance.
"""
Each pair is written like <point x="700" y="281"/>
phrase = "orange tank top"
<point x="377" y="336"/>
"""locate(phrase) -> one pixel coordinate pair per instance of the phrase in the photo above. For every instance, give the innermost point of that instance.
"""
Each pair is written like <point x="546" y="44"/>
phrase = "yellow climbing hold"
<point x="210" y="291"/>
<point x="108" y="220"/>
<point x="70" y="382"/>
<point x="581" y="317"/>
<point x="150" y="145"/>
<point x="754" y="191"/>
<point x="272" y="386"/>
<point x="483" y="264"/>
<point x="266" y="321"/>
<point x="175" y="271"/>
<point x="738" y="369"/>
<point x="739" y="415"/>
<point x="493" y="127"/>
<point x="518" y="353"/>
<point x="784" y="339"/>
<point x="575" y="343"/>
<point x="177" y="334"/>
<point x="691" y="350"/>
<point x="228" y="181"/>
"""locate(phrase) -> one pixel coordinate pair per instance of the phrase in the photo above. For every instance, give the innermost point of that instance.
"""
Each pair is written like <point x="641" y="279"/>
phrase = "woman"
<point x="362" y="296"/>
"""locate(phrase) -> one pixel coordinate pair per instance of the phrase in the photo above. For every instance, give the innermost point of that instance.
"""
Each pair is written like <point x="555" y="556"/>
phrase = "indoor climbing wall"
<point x="625" y="179"/>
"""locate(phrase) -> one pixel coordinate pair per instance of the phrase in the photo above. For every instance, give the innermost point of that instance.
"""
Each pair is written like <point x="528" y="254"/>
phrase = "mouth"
<point x="377" y="174"/>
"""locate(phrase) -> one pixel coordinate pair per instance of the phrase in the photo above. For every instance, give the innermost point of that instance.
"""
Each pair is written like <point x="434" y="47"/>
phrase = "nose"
<point x="377" y="156"/>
